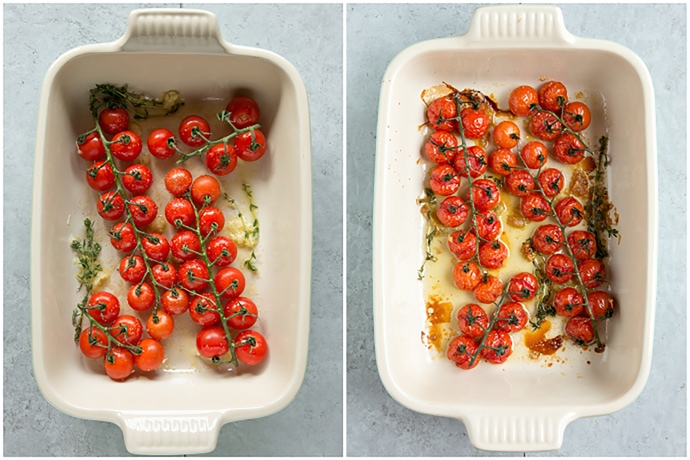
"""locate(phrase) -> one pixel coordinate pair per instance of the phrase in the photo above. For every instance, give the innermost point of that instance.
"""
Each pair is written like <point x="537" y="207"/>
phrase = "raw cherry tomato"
<point x="250" y="148"/>
<point x="463" y="244"/>
<point x="484" y="194"/>
<point x="230" y="282"/>
<point x="493" y="254"/>
<point x="441" y="148"/>
<point x="535" y="207"/>
<point x="522" y="287"/>
<point x="141" y="296"/>
<point x="175" y="301"/>
<point x="461" y="351"/>
<point x="452" y="212"/>
<point x="250" y="347"/>
<point x="580" y="330"/>
<point x="103" y="307"/>
<point x="211" y="342"/>
<point x="156" y="246"/>
<point x="221" y="159"/>
<point x="473" y="320"/>
<point x="551" y="181"/>
<point x="122" y="237"/>
<point x="559" y="268"/>
<point x="488" y="290"/>
<point x="178" y="181"/>
<point x="205" y="188"/>
<point x="127" y="329"/>
<point x="506" y="134"/>
<point x="164" y="274"/>
<point x="161" y="326"/>
<point x="143" y="210"/>
<point x="244" y="111"/>
<point x="126" y="146"/>
<point x="110" y="206"/>
<point x="159" y="142"/>
<point x="118" y="363"/>
<point x="441" y="114"/>
<point x="113" y="121"/>
<point x="568" y="302"/>
<point x="221" y="251"/>
<point x="592" y="273"/>
<point x="151" y="357"/>
<point x="137" y="179"/>
<point x="185" y="245"/>
<point x="534" y="154"/>
<point x="583" y="244"/>
<point x="545" y="126"/>
<point x="601" y="303"/>
<point x="444" y="180"/>
<point x="553" y="95"/>
<point x="193" y="130"/>
<point x="498" y="346"/>
<point x="182" y="209"/>
<point x="193" y="275"/>
<point x="466" y="275"/>
<point x="92" y="148"/>
<point x="475" y="122"/>
<point x="502" y="161"/>
<point x="569" y="211"/>
<point x="100" y="176"/>
<point x="488" y="225"/>
<point x="512" y="317"/>
<point x="203" y="310"/>
<point x="476" y="159"/>
<point x="522" y="99"/>
<point x="576" y="116"/>
<point x="211" y="220"/>
<point x="568" y="149"/>
<point x="519" y="183"/>
<point x="132" y="268"/>
<point x="241" y="313"/>
<point x="547" y="239"/>
<point x="93" y="342"/>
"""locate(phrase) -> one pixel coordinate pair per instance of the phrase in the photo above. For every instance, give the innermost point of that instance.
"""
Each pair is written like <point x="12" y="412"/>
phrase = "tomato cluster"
<point x="468" y="183"/>
<point x="187" y="272"/>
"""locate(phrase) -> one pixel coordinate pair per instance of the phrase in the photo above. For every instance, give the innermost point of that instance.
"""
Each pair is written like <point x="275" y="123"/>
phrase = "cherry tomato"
<point x="444" y="180"/>
<point x="193" y="275"/>
<point x="230" y="282"/>
<point x="100" y="176"/>
<point x="476" y="159"/>
<point x="461" y="350"/>
<point x="141" y="296"/>
<point x="601" y="303"/>
<point x="441" y="114"/>
<point x="452" y="212"/>
<point x="250" y="148"/>
<point x="132" y="268"/>
<point x="568" y="302"/>
<point x="137" y="179"/>
<point x="551" y="181"/>
<point x="576" y="116"/>
<point x="185" y="245"/>
<point x="221" y="251"/>
<point x="498" y="346"/>
<point x="118" y="363"/>
<point x="463" y="244"/>
<point x="211" y="221"/>
<point x="159" y="142"/>
<point x="178" y="181"/>
<point x="475" y="123"/>
<point x="506" y="134"/>
<point x="534" y="154"/>
<point x="553" y="95"/>
<point x="93" y="342"/>
<point x="488" y="290"/>
<point x="160" y="326"/>
<point x="244" y="111"/>
<point x="569" y="211"/>
<point x="211" y="342"/>
<point x="241" y="313"/>
<point x="194" y="130"/>
<point x="205" y="189"/>
<point x="180" y="209"/>
<point x="113" y="121"/>
<point x="568" y="149"/>
<point x="545" y="126"/>
<point x="151" y="357"/>
<point x="580" y="330"/>
<point x="156" y="246"/>
<point x="466" y="275"/>
<point x="488" y="226"/>
<point x="203" y="310"/>
<point x="127" y="329"/>
<point x="522" y="99"/>
<point x="512" y="317"/>
<point x="126" y="146"/>
<point x="110" y="206"/>
<point x="143" y="210"/>
<point x="522" y="287"/>
<point x="559" y="268"/>
<point x="535" y="207"/>
<point x="103" y="307"/>
<point x="502" y="161"/>
<point x="473" y="320"/>
<point x="519" y="183"/>
<point x="175" y="301"/>
<point x="592" y="273"/>
<point x="547" y="239"/>
<point x="164" y="274"/>
<point x="91" y="149"/>
<point x="250" y="347"/>
<point x="221" y="159"/>
<point x="583" y="244"/>
<point x="441" y="148"/>
<point x="493" y="254"/>
<point x="484" y="194"/>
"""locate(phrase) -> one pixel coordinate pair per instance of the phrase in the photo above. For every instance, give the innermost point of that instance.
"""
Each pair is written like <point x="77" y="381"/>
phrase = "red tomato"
<point x="175" y="301"/>
<point x="534" y="154"/>
<point x="126" y="146"/>
<point x="519" y="183"/>
<point x="180" y="212"/>
<point x="185" y="245"/>
<point x="137" y="179"/>
<point x="160" y="326"/>
<point x="568" y="149"/>
<point x="535" y="207"/>
<point x="230" y="282"/>
<point x="463" y="244"/>
<point x="568" y="302"/>
<point x="466" y="275"/>
<point x="576" y="116"/>
<point x="194" y="131"/>
<point x="473" y="320"/>
<point x="203" y="310"/>
<point x="601" y="303"/>
<point x="488" y="290"/>
<point x="488" y="226"/>
<point x="547" y="239"/>
<point x="522" y="287"/>
<point x="569" y="211"/>
<point x="241" y="313"/>
<point x="444" y="180"/>
<point x="551" y="181"/>
<point x="475" y="123"/>
<point x="512" y="317"/>
<point x="441" y="114"/>
<point x="132" y="268"/>
<point x="127" y="329"/>
<point x="205" y="189"/>
<point x="103" y="307"/>
<point x="159" y="143"/>
<point x="143" y="210"/>
<point x="93" y="342"/>
<point x="100" y="176"/>
<point x="583" y="244"/>
<point x="250" y="148"/>
<point x="151" y="357"/>
<point x="502" y="161"/>
<point x="243" y="111"/>
<point x="211" y="221"/>
<point x="250" y="347"/>
<point x="164" y="274"/>
<point x="484" y="194"/>
<point x="493" y="254"/>
<point x="506" y="134"/>
<point x="498" y="346"/>
<point x="91" y="148"/>
<point x="592" y="273"/>
<point x="211" y="342"/>
<point x="156" y="246"/>
<point x="580" y="330"/>
<point x="193" y="275"/>
<point x="141" y="296"/>
<point x="522" y="99"/>
<point x="118" y="363"/>
<point x="545" y="126"/>
<point x="461" y="351"/>
<point x="221" y="251"/>
<point x="559" y="268"/>
<point x="113" y="121"/>
<point x="553" y="95"/>
<point x="110" y="206"/>
<point x="452" y="212"/>
<point x="178" y="181"/>
<point x="476" y="160"/>
<point x="221" y="159"/>
<point x="122" y="237"/>
<point x="441" y="148"/>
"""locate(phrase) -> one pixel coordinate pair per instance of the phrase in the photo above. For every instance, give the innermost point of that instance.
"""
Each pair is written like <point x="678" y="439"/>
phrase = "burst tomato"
<point x="547" y="239"/>
<point x="453" y="211"/>
<point x="551" y="181"/>
<point x="512" y="317"/>
<point x="475" y="123"/>
<point x="569" y="211"/>
<point x="568" y="149"/>
<point x="580" y="330"/>
<point x="493" y="254"/>
<point x="583" y="244"/>
<point x="553" y="95"/>
<point x="545" y="126"/>
<point x="601" y="303"/>
<point x="441" y="114"/>
<point x="484" y="194"/>
<point x="535" y="207"/>
<point x="502" y="161"/>
<point x="488" y="226"/>
<point x="463" y="244"/>
<point x="592" y="273"/>
<point x="475" y="158"/>
<point x="519" y="183"/>
<point x="488" y="290"/>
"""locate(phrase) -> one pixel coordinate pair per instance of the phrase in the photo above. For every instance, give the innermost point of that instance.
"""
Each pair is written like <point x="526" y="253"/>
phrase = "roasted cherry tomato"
<point x="519" y="183"/>
<point x="221" y="159"/>
<point x="137" y="179"/>
<point x="126" y="146"/>
<point x="221" y="251"/>
<point x="212" y="342"/>
<point x="205" y="189"/>
<point x="178" y="181"/>
<point x="535" y="207"/>
<point x="576" y="116"/>
<point x="547" y="239"/>
<point x="534" y="154"/>
<point x="230" y="282"/>
<point x="175" y="301"/>
<point x="143" y="210"/>
<point x="463" y="244"/>
<point x="100" y="176"/>
<point x="453" y="211"/>
<point x="553" y="96"/>
<point x="113" y="121"/>
<point x="502" y="161"/>
<point x="461" y="351"/>
<point x="475" y="157"/>
<point x="498" y="346"/>
<point x="580" y="330"/>
<point x="151" y="357"/>
<point x="93" y="342"/>
<point x="522" y="99"/>
<point x="506" y="134"/>
<point x="160" y="326"/>
<point x="551" y="181"/>
<point x="156" y="246"/>
<point x="132" y="268"/>
<point x="250" y="347"/>
<point x="466" y="275"/>
<point x="103" y="307"/>
<point x="568" y="149"/>
<point x="164" y="274"/>
<point x="110" y="206"/>
<point x="583" y="244"/>
<point x="568" y="302"/>
<point x="127" y="329"/>
<point x="569" y="211"/>
<point x="512" y="317"/>
<point x="522" y="287"/>
<point x="441" y="114"/>
<point x="91" y="149"/>
<point x="592" y="273"/>
<point x="493" y="254"/>
<point x="488" y="226"/>
<point x="441" y="148"/>
<point x="475" y="123"/>
<point x="203" y="310"/>
<point x="244" y="111"/>
<point x="601" y="303"/>
<point x="180" y="212"/>
<point x="545" y="126"/>
<point x="118" y="363"/>
<point x="473" y="320"/>
<point x="194" y="131"/>
<point x="159" y="143"/>
<point x="484" y="194"/>
<point x="241" y="313"/>
<point x="559" y="268"/>
<point x="488" y="290"/>
<point x="141" y="296"/>
<point x="193" y="275"/>
<point x="211" y="221"/>
<point x="250" y="147"/>
<point x="185" y="245"/>
<point x="444" y="180"/>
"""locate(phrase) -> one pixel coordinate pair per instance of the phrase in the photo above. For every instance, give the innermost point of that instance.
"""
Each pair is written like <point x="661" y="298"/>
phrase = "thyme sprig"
<point x="88" y="252"/>
<point x="250" y="231"/>
<point x="112" y="97"/>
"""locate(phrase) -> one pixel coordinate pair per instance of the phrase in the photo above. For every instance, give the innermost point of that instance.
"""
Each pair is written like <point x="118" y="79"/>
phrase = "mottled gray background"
<point x="655" y="424"/>
<point x="310" y="37"/>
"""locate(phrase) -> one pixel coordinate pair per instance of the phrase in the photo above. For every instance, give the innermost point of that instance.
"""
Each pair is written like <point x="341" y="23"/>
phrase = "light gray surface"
<point x="655" y="424"/>
<point x="34" y="36"/>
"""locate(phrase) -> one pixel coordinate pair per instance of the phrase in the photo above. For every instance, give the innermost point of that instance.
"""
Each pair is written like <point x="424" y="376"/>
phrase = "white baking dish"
<point x="522" y="405"/>
<point x="178" y="410"/>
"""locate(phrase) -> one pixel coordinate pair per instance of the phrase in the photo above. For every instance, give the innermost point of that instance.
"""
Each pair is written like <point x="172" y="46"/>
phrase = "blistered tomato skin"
<point x="463" y="244"/>
<point x="473" y="320"/>
<point x="461" y="351"/>
<point x="547" y="239"/>
<point x="522" y="287"/>
<point x="553" y="96"/>
<point x="498" y="346"/>
<point x="441" y="113"/>
<point x="441" y="148"/>
<point x="475" y="123"/>
<point x="466" y="275"/>
<point x="444" y="180"/>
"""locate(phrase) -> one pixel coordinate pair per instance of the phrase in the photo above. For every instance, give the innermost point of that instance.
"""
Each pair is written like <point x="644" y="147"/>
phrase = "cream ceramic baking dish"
<point x="522" y="405"/>
<point x="180" y="409"/>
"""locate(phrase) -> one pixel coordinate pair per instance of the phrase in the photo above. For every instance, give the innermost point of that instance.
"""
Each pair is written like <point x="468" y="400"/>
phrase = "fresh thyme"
<point x="113" y="97"/>
<point x="88" y="252"/>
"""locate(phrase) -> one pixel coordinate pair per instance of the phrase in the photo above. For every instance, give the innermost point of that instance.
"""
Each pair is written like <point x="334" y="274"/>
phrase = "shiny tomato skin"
<point x="164" y="274"/>
<point x="475" y="123"/>
<point x="230" y="282"/>
<point x="545" y="126"/>
<point x="211" y="342"/>
<point x="244" y="111"/>
<point x="127" y="329"/>
<point x="519" y="183"/>
<point x="205" y="188"/>
<point x="461" y="351"/>
<point x="156" y="246"/>
<point x="203" y="310"/>
<point x="601" y="303"/>
<point x="137" y="179"/>
<point x="141" y="296"/>
<point x="592" y="273"/>
<point x="506" y="134"/>
<point x="577" y="116"/>
<point x="182" y="209"/>
<point x="488" y="290"/>
<point x="185" y="245"/>
<point x="476" y="159"/>
<point x="583" y="244"/>
<point x="93" y="342"/>
<point x="221" y="159"/>
<point x="559" y="268"/>
<point x="211" y="221"/>
<point x="221" y="251"/>
<point x="113" y="121"/>
<point x="488" y="226"/>
<point x="570" y="211"/>
<point x="547" y="239"/>
<point x="92" y="148"/>
<point x="463" y="244"/>
<point x="493" y="254"/>
<point x="484" y="194"/>
<point x="568" y="149"/>
<point x="132" y="268"/>
<point x="193" y="274"/>
<point x="441" y="114"/>
<point x="241" y="313"/>
<point x="143" y="210"/>
<point x="502" y="161"/>
<point x="126" y="146"/>
<point x="568" y="302"/>
<point x="100" y="176"/>
<point x="103" y="307"/>
<point x="178" y="181"/>
<point x="472" y="320"/>
<point x="499" y="346"/>
<point x="161" y="326"/>
<point x="441" y="148"/>
<point x="187" y="131"/>
<point x="535" y="207"/>
<point x="466" y="275"/>
<point x="580" y="330"/>
<point x="553" y="95"/>
<point x="151" y="356"/>
<point x="453" y="211"/>
<point x="118" y="363"/>
<point x="512" y="317"/>
<point x="250" y="148"/>
<point x="534" y="154"/>
<point x="551" y="181"/>
<point x="110" y="206"/>
<point x="175" y="302"/>
<point x="521" y="100"/>
<point x="444" y="180"/>
<point x="250" y="347"/>
<point x="522" y="287"/>
<point x="158" y="143"/>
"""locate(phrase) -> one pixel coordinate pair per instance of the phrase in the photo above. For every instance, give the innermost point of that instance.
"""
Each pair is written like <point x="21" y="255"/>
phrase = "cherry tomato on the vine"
<point x="547" y="239"/>
<point x="211" y="342"/>
<point x="522" y="287"/>
<point x="466" y="275"/>
<point x="441" y="148"/>
<point x="522" y="99"/>
<point x="160" y="326"/>
<point x="576" y="116"/>
<point x="583" y="244"/>
<point x="151" y="357"/>
<point x="545" y="126"/>
<point x="91" y="149"/>
<point x="493" y="254"/>
<point x="568" y="149"/>
<point x="110" y="206"/>
<point x="113" y="121"/>
<point x="132" y="268"/>
<point x="534" y="154"/>
<point x="476" y="160"/>
<point x="498" y="346"/>
<point x="241" y="313"/>
<point x="473" y="320"/>
<point x="118" y="363"/>
<point x="569" y="211"/>
<point x="221" y="159"/>
<point x="143" y="210"/>
<point x="177" y="181"/>
<point x="488" y="290"/>
<point x="126" y="146"/>
<point x="175" y="301"/>
<point x="461" y="350"/>
<point x="488" y="225"/>
<point x="104" y="307"/>
<point x="159" y="142"/>
<point x="137" y="179"/>
<point x="250" y="147"/>
<point x="512" y="317"/>
<point x="221" y="251"/>
<point x="203" y="310"/>
<point x="164" y="274"/>
<point x="568" y="302"/>
<point x="156" y="246"/>
<point x="185" y="245"/>
<point x="484" y="193"/>
<point x="93" y="342"/>
<point x="535" y="207"/>
<point x="141" y="296"/>
<point x="127" y="329"/>
<point x="475" y="123"/>
<point x="551" y="181"/>
<point x="244" y="111"/>
<point x="441" y="114"/>
<point x="506" y="134"/>
<point x="444" y="180"/>
<point x="580" y="330"/>
<point x="250" y="347"/>
<point x="193" y="275"/>
<point x="463" y="244"/>
<point x="180" y="209"/>
<point x="205" y="189"/>
<point x="519" y="183"/>
<point x="592" y="273"/>
<point x="559" y="268"/>
<point x="601" y="303"/>
<point x="230" y="282"/>
<point x="211" y="221"/>
<point x="453" y="211"/>
<point x="100" y="176"/>
<point x="502" y="161"/>
<point x="553" y="95"/>
<point x="194" y="130"/>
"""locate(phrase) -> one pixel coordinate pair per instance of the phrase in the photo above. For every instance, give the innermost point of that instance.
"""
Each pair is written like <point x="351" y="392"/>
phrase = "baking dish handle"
<point x="172" y="30"/>
<point x="170" y="434"/>
<point x="518" y="25"/>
